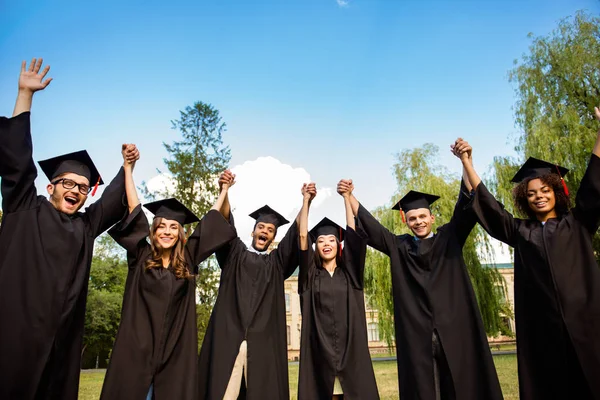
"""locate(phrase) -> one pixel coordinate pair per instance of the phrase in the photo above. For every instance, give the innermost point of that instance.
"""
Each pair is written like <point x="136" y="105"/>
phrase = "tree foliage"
<point x="417" y="169"/>
<point x="557" y="87"/>
<point x="193" y="165"/>
<point x="105" y="298"/>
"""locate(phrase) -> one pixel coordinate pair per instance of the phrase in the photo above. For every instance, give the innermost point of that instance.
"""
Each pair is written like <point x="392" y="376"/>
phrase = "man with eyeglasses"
<point x="45" y="254"/>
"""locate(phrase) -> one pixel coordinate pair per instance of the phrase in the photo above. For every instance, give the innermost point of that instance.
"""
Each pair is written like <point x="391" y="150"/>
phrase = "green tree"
<point x="105" y="298"/>
<point x="194" y="164"/>
<point x="557" y="87"/>
<point x="0" y="216"/>
<point x="417" y="169"/>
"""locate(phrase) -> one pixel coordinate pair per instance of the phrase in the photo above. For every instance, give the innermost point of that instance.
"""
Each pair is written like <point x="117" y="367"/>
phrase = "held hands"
<point x="226" y="180"/>
<point x="130" y="154"/>
<point x="30" y="79"/>
<point x="345" y="187"/>
<point x="309" y="191"/>
<point x="462" y="149"/>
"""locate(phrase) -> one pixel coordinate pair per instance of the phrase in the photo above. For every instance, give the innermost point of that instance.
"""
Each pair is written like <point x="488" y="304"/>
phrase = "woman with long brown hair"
<point x="334" y="352"/>
<point x="557" y="278"/>
<point x="156" y="348"/>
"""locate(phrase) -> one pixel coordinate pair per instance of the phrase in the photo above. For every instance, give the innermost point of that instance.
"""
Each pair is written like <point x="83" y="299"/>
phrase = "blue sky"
<point x="333" y="89"/>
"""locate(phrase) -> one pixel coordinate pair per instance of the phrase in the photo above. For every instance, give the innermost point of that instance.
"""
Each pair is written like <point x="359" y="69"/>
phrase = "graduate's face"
<point x="327" y="247"/>
<point x="540" y="197"/>
<point x="263" y="235"/>
<point x="68" y="201"/>
<point x="419" y="221"/>
<point x="166" y="234"/>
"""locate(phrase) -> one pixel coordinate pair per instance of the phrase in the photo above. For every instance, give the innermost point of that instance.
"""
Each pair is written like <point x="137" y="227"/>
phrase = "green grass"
<point x="385" y="373"/>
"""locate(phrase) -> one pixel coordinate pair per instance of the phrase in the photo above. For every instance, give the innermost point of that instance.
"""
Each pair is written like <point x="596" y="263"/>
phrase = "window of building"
<point x="373" y="332"/>
<point x="288" y="307"/>
<point x="289" y="339"/>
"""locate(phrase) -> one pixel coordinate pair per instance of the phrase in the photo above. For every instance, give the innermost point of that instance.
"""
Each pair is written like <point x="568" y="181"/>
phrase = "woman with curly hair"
<point x="156" y="348"/>
<point x="557" y="278"/>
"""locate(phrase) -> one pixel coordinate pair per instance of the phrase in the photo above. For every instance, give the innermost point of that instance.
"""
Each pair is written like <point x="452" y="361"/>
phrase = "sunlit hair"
<point x="178" y="263"/>
<point x="338" y="256"/>
<point x="552" y="180"/>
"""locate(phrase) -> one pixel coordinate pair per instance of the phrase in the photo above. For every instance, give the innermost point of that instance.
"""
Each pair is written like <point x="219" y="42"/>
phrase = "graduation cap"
<point x="534" y="168"/>
<point x="267" y="215"/>
<point x="414" y="200"/>
<point x="172" y="209"/>
<point x="327" y="227"/>
<point x="78" y="163"/>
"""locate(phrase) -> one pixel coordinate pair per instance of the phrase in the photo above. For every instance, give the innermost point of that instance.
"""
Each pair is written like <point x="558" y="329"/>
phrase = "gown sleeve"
<point x="587" y="202"/>
<point x="234" y="246"/>
<point x="354" y="255"/>
<point x="212" y="232"/>
<point x="492" y="216"/>
<point x="380" y="238"/>
<point x="306" y="268"/>
<point x="110" y="207"/>
<point x="463" y="219"/>
<point x="286" y="253"/>
<point x="131" y="233"/>
<point x="17" y="169"/>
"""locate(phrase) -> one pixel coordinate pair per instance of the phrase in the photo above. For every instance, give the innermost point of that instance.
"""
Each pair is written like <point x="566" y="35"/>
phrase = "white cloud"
<point x="161" y="182"/>
<point x="267" y="180"/>
<point x="342" y="3"/>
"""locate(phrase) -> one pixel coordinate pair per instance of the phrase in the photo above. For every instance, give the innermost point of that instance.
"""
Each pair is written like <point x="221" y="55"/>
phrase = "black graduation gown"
<point x="157" y="339"/>
<point x="334" y="332"/>
<point x="250" y="306"/>
<point x="557" y="293"/>
<point x="45" y="259"/>
<point x="433" y="292"/>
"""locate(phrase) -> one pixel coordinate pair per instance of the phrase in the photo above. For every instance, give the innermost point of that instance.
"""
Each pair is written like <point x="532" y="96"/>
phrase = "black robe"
<point x="45" y="259"/>
<point x="250" y="306"/>
<point x="433" y="292"/>
<point x="557" y="293"/>
<point x="334" y="331"/>
<point x="157" y="341"/>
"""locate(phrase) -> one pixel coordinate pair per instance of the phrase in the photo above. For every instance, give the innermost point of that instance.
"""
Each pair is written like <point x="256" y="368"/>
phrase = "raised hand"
<point x="345" y="187"/>
<point x="226" y="180"/>
<point x="309" y="191"/>
<point x="30" y="79"/>
<point x="130" y="154"/>
<point x="461" y="149"/>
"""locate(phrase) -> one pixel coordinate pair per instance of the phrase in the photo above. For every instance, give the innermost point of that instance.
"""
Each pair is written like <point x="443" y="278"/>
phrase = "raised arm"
<point x="380" y="238"/>
<point x="130" y="155"/>
<point x="17" y="168"/>
<point x="587" y="201"/>
<point x="30" y="81"/>
<point x="309" y="191"/>
<point x="111" y="206"/>
<point x="222" y="205"/>
<point x="463" y="218"/>
<point x="490" y="213"/>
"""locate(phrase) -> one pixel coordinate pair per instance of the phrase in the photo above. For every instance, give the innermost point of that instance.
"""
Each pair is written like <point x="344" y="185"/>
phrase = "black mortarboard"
<point x="534" y="168"/>
<point x="172" y="209"/>
<point x="268" y="215"/>
<point x="78" y="163"/>
<point x="413" y="200"/>
<point x="327" y="227"/>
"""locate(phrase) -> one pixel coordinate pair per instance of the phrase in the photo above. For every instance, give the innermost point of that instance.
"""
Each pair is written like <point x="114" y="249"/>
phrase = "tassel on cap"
<point x="96" y="187"/>
<point x="566" y="189"/>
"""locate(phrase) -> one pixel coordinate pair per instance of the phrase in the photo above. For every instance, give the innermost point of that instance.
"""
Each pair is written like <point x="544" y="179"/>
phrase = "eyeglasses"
<point x="70" y="184"/>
